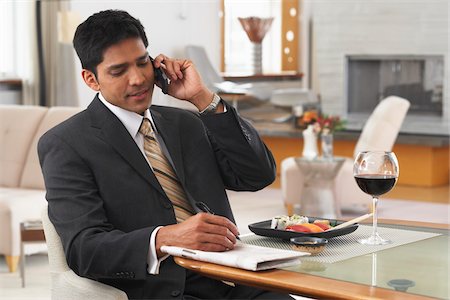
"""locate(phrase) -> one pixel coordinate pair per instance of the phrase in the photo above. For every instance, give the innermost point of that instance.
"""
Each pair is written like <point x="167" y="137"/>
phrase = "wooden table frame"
<point x="304" y="284"/>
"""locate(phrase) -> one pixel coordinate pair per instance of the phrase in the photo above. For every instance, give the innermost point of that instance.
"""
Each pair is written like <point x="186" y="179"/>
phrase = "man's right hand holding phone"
<point x="185" y="82"/>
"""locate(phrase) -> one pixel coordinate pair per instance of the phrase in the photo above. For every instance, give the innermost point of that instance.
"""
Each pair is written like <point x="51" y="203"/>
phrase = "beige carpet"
<point x="248" y="208"/>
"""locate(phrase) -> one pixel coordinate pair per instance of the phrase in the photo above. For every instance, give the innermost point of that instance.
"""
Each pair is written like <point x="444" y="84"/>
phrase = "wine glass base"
<point x="374" y="240"/>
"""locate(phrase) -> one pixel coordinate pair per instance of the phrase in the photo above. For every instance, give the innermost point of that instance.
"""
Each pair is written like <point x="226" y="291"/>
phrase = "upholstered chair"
<point x="65" y="284"/>
<point x="379" y="133"/>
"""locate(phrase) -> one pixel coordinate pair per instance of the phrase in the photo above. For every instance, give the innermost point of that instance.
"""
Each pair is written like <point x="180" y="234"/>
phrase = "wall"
<point x="170" y="26"/>
<point x="378" y="27"/>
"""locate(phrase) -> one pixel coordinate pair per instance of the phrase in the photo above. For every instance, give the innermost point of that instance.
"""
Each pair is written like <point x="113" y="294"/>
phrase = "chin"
<point x="141" y="108"/>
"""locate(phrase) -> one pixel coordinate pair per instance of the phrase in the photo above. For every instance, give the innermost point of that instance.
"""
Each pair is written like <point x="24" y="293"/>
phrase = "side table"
<point x="30" y="232"/>
<point x="317" y="198"/>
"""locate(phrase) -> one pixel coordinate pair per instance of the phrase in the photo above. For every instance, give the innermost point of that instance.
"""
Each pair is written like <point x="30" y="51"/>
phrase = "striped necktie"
<point x="165" y="173"/>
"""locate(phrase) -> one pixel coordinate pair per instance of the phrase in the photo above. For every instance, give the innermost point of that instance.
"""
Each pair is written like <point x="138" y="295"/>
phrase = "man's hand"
<point x="203" y="231"/>
<point x="185" y="82"/>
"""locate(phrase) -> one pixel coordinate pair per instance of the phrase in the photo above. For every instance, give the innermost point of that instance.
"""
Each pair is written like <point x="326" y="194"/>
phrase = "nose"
<point x="136" y="77"/>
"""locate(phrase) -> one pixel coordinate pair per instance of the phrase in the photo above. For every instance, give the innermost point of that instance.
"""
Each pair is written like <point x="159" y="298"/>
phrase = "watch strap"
<point x="212" y="107"/>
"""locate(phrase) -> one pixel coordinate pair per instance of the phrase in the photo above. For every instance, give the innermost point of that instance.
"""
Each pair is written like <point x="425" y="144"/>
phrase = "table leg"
<point x="22" y="264"/>
<point x="289" y="208"/>
<point x="317" y="200"/>
<point x="337" y="205"/>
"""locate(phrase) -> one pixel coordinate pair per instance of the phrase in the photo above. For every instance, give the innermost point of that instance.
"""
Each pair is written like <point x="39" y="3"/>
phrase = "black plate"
<point x="263" y="228"/>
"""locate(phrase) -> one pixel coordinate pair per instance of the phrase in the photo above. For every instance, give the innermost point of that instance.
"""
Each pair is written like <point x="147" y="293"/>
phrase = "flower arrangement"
<point x="322" y="123"/>
<point x="308" y="117"/>
<point x="326" y="124"/>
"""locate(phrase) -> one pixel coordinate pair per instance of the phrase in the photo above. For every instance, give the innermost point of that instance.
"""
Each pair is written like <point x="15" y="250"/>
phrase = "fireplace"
<point x="418" y="78"/>
<point x="365" y="50"/>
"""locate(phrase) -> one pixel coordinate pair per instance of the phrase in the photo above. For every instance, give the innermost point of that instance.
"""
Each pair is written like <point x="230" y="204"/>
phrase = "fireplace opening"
<point x="418" y="79"/>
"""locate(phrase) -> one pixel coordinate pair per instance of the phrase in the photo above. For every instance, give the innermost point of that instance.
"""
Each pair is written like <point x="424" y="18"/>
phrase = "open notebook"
<point x="243" y="256"/>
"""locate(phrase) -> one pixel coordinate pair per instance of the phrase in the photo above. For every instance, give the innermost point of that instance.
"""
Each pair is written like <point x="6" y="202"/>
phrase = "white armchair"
<point x="258" y="90"/>
<point x="65" y="284"/>
<point x="379" y="133"/>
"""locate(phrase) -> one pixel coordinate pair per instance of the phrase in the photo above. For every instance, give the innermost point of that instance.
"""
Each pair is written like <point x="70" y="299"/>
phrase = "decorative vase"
<point x="256" y="29"/>
<point x="309" y="143"/>
<point x="327" y="145"/>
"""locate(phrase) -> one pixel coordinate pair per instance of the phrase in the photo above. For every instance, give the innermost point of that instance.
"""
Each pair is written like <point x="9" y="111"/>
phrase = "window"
<point x="280" y="45"/>
<point x="7" y="48"/>
<point x="238" y="52"/>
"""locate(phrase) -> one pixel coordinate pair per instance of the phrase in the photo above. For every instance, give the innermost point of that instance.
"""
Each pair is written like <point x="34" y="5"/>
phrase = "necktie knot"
<point x="146" y="128"/>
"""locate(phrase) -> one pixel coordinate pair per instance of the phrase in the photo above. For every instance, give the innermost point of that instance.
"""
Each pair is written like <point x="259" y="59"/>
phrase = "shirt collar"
<point x="131" y="120"/>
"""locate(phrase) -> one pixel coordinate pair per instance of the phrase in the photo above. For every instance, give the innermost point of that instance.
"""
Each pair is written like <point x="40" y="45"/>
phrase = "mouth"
<point x="139" y="94"/>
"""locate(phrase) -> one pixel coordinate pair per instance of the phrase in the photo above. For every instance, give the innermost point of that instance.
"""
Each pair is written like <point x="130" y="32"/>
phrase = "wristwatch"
<point x="212" y="107"/>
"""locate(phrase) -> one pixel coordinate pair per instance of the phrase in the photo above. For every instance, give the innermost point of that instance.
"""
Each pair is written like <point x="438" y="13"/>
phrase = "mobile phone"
<point x="161" y="78"/>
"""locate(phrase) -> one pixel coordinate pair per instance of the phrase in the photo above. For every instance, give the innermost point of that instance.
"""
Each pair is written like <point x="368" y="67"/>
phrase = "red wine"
<point x="375" y="185"/>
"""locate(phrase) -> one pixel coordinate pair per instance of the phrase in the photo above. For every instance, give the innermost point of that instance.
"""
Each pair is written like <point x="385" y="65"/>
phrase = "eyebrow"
<point x="119" y="66"/>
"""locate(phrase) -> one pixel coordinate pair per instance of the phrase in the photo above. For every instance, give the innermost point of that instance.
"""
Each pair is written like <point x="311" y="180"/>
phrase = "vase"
<point x="256" y="29"/>
<point x="309" y="143"/>
<point x="327" y="145"/>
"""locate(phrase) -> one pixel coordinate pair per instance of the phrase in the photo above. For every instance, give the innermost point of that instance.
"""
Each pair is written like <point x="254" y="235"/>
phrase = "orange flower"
<point x="322" y="123"/>
<point x="310" y="116"/>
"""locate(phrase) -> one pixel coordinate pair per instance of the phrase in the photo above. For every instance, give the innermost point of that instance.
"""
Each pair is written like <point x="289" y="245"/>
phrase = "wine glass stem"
<point x="375" y="215"/>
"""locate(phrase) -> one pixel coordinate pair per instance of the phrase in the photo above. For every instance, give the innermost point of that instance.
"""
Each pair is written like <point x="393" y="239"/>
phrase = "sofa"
<point x="22" y="189"/>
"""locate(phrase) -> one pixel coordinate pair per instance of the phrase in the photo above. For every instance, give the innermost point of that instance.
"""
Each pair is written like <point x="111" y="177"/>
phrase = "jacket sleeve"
<point x="244" y="160"/>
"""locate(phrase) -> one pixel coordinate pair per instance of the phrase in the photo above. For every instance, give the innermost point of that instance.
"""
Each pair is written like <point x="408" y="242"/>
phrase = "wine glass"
<point x="376" y="173"/>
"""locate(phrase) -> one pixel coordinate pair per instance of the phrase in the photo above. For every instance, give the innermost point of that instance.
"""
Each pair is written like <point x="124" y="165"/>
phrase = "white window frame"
<point x="7" y="39"/>
<point x="238" y="48"/>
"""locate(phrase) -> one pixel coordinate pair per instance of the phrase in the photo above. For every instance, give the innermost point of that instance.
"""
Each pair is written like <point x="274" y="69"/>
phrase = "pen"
<point x="205" y="208"/>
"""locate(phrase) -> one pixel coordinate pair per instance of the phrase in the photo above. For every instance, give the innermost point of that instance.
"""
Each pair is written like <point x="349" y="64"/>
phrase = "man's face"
<point x="125" y="76"/>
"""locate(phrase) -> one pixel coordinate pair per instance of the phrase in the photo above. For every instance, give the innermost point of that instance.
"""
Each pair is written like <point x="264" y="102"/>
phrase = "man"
<point x="124" y="178"/>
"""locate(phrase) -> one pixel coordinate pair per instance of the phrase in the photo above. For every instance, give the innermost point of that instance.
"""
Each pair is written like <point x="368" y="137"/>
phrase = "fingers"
<point x="172" y="67"/>
<point x="216" y="233"/>
<point x="220" y="223"/>
<point x="203" y="231"/>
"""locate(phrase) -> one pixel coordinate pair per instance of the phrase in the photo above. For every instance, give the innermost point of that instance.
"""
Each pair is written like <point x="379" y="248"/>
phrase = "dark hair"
<point x="100" y="31"/>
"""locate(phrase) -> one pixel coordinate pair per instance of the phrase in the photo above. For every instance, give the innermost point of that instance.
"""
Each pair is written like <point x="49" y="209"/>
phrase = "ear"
<point x="90" y="79"/>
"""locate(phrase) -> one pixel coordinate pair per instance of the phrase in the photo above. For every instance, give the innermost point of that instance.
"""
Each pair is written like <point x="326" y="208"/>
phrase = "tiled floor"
<point x="248" y="208"/>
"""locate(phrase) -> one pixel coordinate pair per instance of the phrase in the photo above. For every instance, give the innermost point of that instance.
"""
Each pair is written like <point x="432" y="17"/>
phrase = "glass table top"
<point x="420" y="268"/>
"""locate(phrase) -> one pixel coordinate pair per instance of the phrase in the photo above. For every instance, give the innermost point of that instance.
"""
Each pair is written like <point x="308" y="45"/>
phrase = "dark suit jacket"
<point x="105" y="201"/>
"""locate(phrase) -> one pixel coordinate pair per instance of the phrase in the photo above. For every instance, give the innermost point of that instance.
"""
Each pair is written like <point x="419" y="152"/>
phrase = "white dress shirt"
<point x="132" y="122"/>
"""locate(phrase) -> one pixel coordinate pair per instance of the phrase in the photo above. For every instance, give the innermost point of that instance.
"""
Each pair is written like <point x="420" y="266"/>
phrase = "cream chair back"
<point x="56" y="256"/>
<point x="383" y="125"/>
<point x="65" y="284"/>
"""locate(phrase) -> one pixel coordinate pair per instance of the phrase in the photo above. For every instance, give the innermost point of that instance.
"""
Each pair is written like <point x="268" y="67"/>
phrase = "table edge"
<point x="302" y="284"/>
<point x="306" y="284"/>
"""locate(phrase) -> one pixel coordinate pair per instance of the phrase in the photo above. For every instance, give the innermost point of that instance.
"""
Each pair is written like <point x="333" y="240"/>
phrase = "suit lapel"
<point x="169" y="130"/>
<point x="113" y="132"/>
